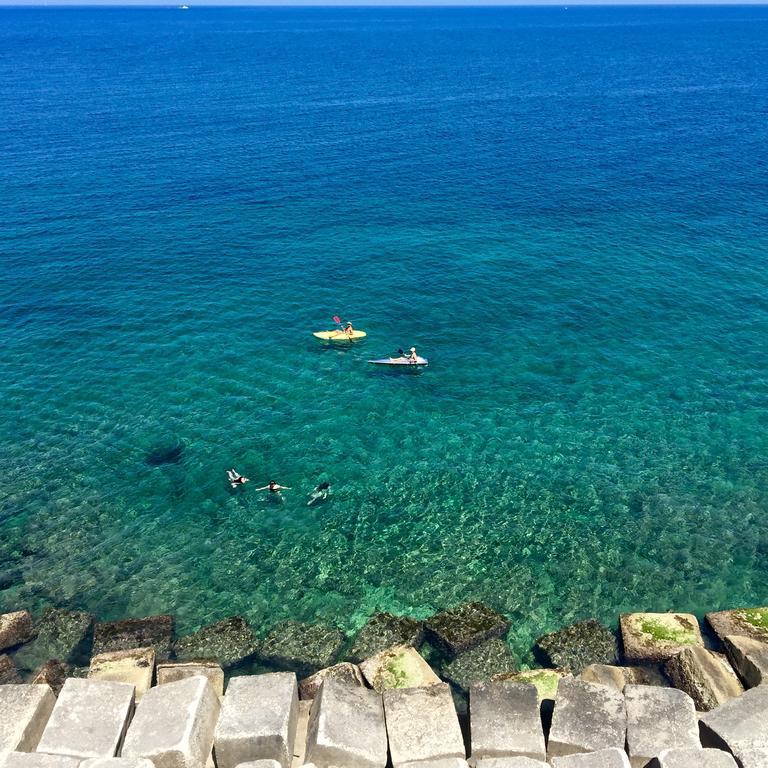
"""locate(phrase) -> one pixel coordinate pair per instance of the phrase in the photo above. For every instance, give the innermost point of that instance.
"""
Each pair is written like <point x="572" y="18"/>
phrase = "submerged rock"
<point x="465" y="626"/>
<point x="52" y="673"/>
<point x="150" y="632"/>
<point x="750" y="622"/>
<point x="230" y="642"/>
<point x="10" y="578"/>
<point x="382" y="631"/>
<point x="399" y="667"/>
<point x="301" y="648"/>
<point x="8" y="672"/>
<point x="480" y="664"/>
<point x="344" y="672"/>
<point x="656" y="637"/>
<point x="15" y="628"/>
<point x="578" y="645"/>
<point x="62" y="635"/>
<point x="166" y="454"/>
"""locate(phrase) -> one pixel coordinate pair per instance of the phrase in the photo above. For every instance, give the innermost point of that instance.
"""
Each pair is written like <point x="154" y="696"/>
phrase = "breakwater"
<point x="386" y="694"/>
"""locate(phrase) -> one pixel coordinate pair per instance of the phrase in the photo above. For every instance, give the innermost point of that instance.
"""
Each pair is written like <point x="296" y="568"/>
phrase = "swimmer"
<point x="235" y="478"/>
<point x="319" y="494"/>
<point x="274" y="487"/>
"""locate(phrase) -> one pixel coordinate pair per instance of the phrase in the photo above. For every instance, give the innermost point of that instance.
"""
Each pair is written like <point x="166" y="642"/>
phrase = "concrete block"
<point x="346" y="727"/>
<point x="260" y="764"/>
<point x="655" y="637"/>
<point x="422" y="724"/>
<point x="587" y="718"/>
<point x="53" y="673"/>
<point x="749" y="622"/>
<point x="117" y="762"/>
<point x="739" y="724"/>
<point x="302" y="648"/>
<point x="657" y="719"/>
<point x="24" y="713"/>
<point x="753" y="758"/>
<point x="135" y="667"/>
<point x="63" y="635"/>
<point x="230" y="642"/>
<point x="346" y="672"/>
<point x="258" y="720"/>
<point x="174" y="725"/>
<point x="603" y="758"/>
<point x="89" y="719"/>
<point x="749" y="657"/>
<point x="382" y="631"/>
<point x="479" y="664"/>
<point x="506" y="721"/>
<point x="618" y="677"/>
<point x="300" y="742"/>
<point x="507" y="762"/>
<point x="171" y="671"/>
<point x="465" y="626"/>
<point x="445" y="762"/>
<point x="37" y="760"/>
<point x="545" y="681"/>
<point x="577" y="646"/>
<point x="154" y="632"/>
<point x="15" y="628"/>
<point x="705" y="676"/>
<point x="399" y="667"/>
<point x="694" y="758"/>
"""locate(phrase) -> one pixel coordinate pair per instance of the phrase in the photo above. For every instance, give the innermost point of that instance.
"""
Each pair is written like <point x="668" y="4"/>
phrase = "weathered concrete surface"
<point x="545" y="681"/>
<point x="302" y="648"/>
<point x="694" y="758"/>
<point x="24" y="713"/>
<point x="604" y="758"/>
<point x="8" y="672"/>
<point x="258" y="720"/>
<point x="655" y="637"/>
<point x="62" y="635"/>
<point x="618" y="677"/>
<point x="135" y="667"/>
<point x="577" y="646"/>
<point x="174" y="725"/>
<point x="150" y="632"/>
<point x="465" y="626"/>
<point x="300" y="742"/>
<point x="260" y="764"/>
<point x="753" y="758"/>
<point x="657" y="719"/>
<point x="750" y="622"/>
<point x="230" y="642"/>
<point x="506" y="721"/>
<point x="739" y="724"/>
<point x="446" y="762"/>
<point x="749" y="657"/>
<point x="15" y="628"/>
<point x="89" y="719"/>
<point x="587" y="718"/>
<point x="117" y="762"/>
<point x="479" y="664"/>
<point x="37" y="760"/>
<point x="705" y="676"/>
<point x="346" y="727"/>
<point x="52" y="673"/>
<point x="399" y="667"/>
<point x="382" y="631"/>
<point x="171" y="671"/>
<point x="346" y="672"/>
<point x="508" y="762"/>
<point x="422" y="724"/>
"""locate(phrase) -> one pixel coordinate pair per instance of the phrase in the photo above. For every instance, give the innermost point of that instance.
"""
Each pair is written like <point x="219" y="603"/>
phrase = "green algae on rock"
<point x="545" y="681"/>
<point x="230" y="642"/>
<point x="399" y="667"/>
<point x="301" y="648"/>
<point x="382" y="631"/>
<point x="656" y="637"/>
<point x="578" y="645"/>
<point x="465" y="626"/>
<point x="493" y="657"/>
<point x="750" y="622"/>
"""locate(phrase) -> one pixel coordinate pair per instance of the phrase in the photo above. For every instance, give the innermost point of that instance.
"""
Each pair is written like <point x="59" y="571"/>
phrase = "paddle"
<point x="336" y="319"/>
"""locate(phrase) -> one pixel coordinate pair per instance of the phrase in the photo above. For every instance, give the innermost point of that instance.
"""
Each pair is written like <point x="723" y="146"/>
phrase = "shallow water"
<point x="564" y="210"/>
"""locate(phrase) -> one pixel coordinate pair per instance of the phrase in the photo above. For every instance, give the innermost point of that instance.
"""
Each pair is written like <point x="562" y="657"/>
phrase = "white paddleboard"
<point x="400" y="361"/>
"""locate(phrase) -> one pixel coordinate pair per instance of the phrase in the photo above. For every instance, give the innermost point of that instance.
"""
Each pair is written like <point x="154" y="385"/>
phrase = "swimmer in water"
<point x="274" y="487"/>
<point x="235" y="478"/>
<point x="319" y="494"/>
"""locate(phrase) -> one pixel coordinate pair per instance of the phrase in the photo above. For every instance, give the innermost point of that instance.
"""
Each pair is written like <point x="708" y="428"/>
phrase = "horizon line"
<point x="400" y="4"/>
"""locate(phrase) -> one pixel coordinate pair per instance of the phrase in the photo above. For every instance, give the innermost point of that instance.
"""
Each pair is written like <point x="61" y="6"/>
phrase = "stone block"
<point x="657" y="719"/>
<point x="37" y="760"/>
<point x="150" y="632"/>
<point x="422" y="724"/>
<point x="749" y="622"/>
<point x="655" y="637"/>
<point x="117" y="762"/>
<point x="258" y="720"/>
<point x="171" y="671"/>
<point x="260" y="764"/>
<point x="230" y="642"/>
<point x="479" y="664"/>
<point x="694" y="758"/>
<point x="446" y="762"/>
<point x="545" y="681"/>
<point x="739" y="724"/>
<point x="52" y="673"/>
<point x="618" y="677"/>
<point x="8" y="672"/>
<point x="508" y="762"/>
<point x="753" y="758"/>
<point x="399" y="667"/>
<point x="62" y="635"/>
<point x="465" y="626"/>
<point x="135" y="667"/>
<point x="89" y="719"/>
<point x="749" y="657"/>
<point x="174" y="725"/>
<point x="382" y="631"/>
<point x="302" y="648"/>
<point x="705" y="676"/>
<point x="506" y="721"/>
<point x="577" y="646"/>
<point x="346" y="672"/>
<point x="300" y="742"/>
<point x="587" y="718"/>
<point x="24" y="713"/>
<point x="603" y="758"/>
<point x="346" y="727"/>
<point x="15" y="629"/>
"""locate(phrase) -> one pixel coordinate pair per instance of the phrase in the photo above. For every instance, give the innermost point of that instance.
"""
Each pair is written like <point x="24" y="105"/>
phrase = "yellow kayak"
<point x="340" y="335"/>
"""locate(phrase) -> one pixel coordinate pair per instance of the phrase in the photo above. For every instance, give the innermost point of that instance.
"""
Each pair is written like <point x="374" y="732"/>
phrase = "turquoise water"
<point x="564" y="210"/>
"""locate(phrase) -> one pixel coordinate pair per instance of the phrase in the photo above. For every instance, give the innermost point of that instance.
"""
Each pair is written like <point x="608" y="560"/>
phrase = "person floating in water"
<point x="274" y="487"/>
<point x="319" y="494"/>
<point x="235" y="478"/>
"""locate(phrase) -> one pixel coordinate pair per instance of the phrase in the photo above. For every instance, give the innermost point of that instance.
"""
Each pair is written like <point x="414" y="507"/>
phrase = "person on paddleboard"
<point x="349" y="330"/>
<point x="319" y="494"/>
<point x="235" y="478"/>
<point x="274" y="487"/>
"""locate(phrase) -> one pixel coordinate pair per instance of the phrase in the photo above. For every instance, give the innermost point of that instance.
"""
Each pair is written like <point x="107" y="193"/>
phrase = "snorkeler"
<point x="274" y="487"/>
<point x="235" y="478"/>
<point x="319" y="494"/>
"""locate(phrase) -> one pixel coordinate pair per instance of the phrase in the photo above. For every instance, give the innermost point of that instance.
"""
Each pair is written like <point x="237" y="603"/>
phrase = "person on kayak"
<point x="413" y="357"/>
<point x="349" y="330"/>
<point x="319" y="494"/>
<point x="235" y="478"/>
<point x="273" y="487"/>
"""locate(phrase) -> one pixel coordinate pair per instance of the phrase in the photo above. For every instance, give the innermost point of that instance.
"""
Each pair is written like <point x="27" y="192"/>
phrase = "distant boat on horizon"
<point x="183" y="7"/>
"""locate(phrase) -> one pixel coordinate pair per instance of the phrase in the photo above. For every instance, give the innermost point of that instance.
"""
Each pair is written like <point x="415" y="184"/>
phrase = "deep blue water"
<point x="565" y="210"/>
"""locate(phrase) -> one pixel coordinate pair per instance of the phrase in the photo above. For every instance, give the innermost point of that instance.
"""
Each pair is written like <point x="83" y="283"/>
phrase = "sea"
<point x="565" y="209"/>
